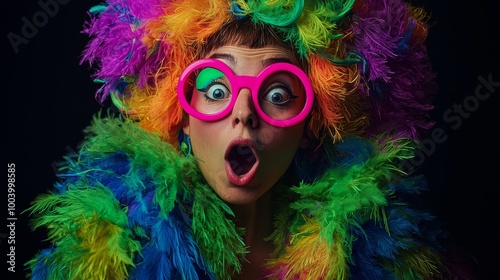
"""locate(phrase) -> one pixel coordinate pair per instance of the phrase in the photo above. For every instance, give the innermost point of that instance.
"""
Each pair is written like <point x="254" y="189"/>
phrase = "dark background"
<point x="48" y="98"/>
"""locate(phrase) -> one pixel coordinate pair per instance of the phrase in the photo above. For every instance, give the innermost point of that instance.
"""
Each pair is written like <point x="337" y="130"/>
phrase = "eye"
<point x="279" y="95"/>
<point x="216" y="91"/>
<point x="210" y="81"/>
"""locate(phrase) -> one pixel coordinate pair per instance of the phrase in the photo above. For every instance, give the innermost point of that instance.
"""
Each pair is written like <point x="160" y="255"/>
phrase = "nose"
<point x="244" y="110"/>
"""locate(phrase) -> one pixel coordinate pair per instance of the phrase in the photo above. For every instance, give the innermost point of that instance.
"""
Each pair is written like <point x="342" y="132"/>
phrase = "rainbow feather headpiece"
<point x="366" y="59"/>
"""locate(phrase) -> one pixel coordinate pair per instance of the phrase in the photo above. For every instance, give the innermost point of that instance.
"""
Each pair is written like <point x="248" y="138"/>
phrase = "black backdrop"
<point x="48" y="100"/>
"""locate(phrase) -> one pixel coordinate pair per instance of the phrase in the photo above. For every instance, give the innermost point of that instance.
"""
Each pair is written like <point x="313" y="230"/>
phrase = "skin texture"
<point x="275" y="148"/>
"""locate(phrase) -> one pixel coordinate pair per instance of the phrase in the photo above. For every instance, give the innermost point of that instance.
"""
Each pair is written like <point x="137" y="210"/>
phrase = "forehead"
<point x="238" y="56"/>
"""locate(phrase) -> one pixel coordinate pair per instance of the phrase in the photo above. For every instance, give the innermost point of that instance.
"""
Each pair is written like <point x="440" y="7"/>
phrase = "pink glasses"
<point x="282" y="93"/>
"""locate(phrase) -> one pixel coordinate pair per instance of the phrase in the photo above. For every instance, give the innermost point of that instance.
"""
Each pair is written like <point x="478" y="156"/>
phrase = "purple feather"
<point x="116" y="32"/>
<point x="397" y="73"/>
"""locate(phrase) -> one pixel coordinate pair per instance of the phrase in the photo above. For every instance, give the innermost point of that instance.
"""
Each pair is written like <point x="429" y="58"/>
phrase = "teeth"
<point x="241" y="159"/>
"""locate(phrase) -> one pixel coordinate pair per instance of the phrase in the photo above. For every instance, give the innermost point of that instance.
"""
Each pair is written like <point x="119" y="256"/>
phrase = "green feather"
<point x="90" y="223"/>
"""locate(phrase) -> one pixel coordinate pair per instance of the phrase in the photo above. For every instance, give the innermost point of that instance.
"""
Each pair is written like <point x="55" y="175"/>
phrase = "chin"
<point x="239" y="196"/>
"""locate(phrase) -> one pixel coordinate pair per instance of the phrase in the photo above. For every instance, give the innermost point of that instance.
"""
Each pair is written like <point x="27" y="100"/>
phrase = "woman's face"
<point x="241" y="156"/>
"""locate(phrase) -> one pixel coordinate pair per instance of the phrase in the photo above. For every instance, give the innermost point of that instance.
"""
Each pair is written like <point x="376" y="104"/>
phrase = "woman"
<point x="254" y="140"/>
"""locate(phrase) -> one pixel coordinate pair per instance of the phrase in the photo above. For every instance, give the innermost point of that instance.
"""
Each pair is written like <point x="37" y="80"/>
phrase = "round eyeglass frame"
<point x="253" y="83"/>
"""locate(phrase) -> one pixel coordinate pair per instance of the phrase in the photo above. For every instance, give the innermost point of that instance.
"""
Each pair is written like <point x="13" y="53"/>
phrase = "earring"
<point x="186" y="145"/>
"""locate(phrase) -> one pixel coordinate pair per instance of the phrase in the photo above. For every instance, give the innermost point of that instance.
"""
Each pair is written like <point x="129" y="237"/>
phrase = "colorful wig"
<point x="366" y="59"/>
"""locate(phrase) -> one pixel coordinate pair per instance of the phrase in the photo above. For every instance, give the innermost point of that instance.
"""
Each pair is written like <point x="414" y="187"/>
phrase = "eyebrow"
<point x="265" y="62"/>
<point x="224" y="56"/>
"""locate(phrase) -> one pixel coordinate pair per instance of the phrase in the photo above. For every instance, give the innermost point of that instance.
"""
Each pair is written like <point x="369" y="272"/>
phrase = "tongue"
<point x="241" y="159"/>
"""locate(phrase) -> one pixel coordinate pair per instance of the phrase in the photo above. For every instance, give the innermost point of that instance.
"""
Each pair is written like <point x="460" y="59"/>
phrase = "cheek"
<point x="203" y="139"/>
<point x="282" y="138"/>
<point x="278" y="154"/>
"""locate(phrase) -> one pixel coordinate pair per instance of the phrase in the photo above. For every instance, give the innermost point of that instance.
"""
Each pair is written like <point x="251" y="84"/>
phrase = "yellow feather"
<point x="310" y="257"/>
<point x="105" y="258"/>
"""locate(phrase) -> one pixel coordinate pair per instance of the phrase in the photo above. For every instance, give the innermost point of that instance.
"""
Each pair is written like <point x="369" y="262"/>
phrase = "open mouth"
<point x="241" y="161"/>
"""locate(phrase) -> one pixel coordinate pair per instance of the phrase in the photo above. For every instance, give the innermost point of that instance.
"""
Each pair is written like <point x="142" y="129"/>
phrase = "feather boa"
<point x="129" y="206"/>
